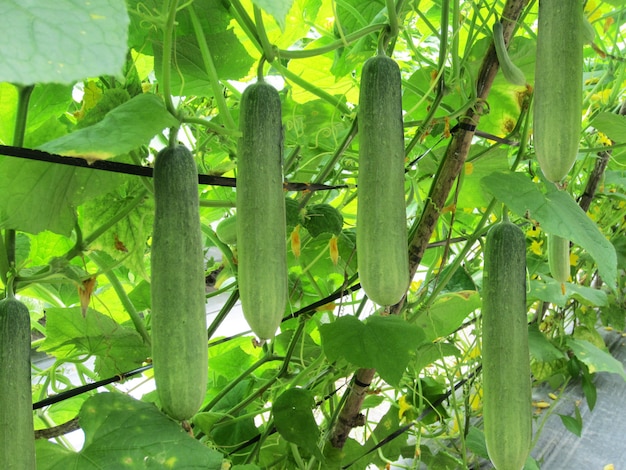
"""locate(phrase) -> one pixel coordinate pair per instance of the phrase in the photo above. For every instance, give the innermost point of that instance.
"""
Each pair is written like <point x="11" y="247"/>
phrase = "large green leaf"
<point x="125" y="128"/>
<point x="557" y="213"/>
<point x="596" y="359"/>
<point x="62" y="44"/>
<point x="277" y="8"/>
<point x="385" y="343"/>
<point x="447" y="314"/>
<point x="38" y="196"/>
<point x="613" y="125"/>
<point x="293" y="417"/>
<point x="70" y="334"/>
<point x="121" y="432"/>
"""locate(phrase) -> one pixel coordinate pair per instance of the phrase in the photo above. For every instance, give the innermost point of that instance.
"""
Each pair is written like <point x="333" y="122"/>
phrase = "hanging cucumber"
<point x="179" y="330"/>
<point x="261" y="226"/>
<point x="506" y="363"/>
<point x="558" y="86"/>
<point x="558" y="258"/>
<point x="512" y="73"/>
<point x="17" y="435"/>
<point x="382" y="246"/>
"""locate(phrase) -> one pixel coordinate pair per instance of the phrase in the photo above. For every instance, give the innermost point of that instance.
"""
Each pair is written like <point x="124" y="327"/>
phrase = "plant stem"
<point x="123" y="296"/>
<point x="209" y="67"/>
<point x="169" y="9"/>
<point x="223" y="313"/>
<point x="268" y="49"/>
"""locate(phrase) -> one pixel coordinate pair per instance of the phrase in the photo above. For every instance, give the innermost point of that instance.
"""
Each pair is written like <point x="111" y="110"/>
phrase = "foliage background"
<point x="105" y="82"/>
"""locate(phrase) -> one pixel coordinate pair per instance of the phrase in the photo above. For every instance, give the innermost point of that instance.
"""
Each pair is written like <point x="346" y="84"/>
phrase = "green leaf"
<point x="230" y="59"/>
<point x="596" y="359"/>
<point x="475" y="441"/>
<point x="126" y="240"/>
<point x="385" y="343"/>
<point x="385" y="428"/>
<point x="64" y="44"/>
<point x="551" y="291"/>
<point x="70" y="334"/>
<point x="125" y="128"/>
<point x="38" y="196"/>
<point x="121" y="432"/>
<point x="541" y="349"/>
<point x="611" y="124"/>
<point x="447" y="314"/>
<point x="322" y="218"/>
<point x="277" y="8"/>
<point x="557" y="213"/>
<point x="293" y="417"/>
<point x="573" y="424"/>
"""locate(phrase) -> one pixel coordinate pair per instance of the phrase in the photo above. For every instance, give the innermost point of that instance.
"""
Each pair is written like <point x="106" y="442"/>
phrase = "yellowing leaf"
<point x="92" y="95"/>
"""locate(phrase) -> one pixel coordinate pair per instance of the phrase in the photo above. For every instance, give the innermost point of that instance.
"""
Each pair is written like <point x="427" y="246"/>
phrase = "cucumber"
<point x="381" y="235"/>
<point x="17" y="435"/>
<point x="261" y="225"/>
<point x="512" y="73"/>
<point x="226" y="230"/>
<point x="506" y="364"/>
<point x="558" y="86"/>
<point x="558" y="258"/>
<point x="179" y="330"/>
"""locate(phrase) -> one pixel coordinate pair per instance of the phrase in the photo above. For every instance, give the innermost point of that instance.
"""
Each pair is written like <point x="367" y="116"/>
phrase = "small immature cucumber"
<point x="17" y="435"/>
<point x="179" y="330"/>
<point x="511" y="72"/>
<point x="382" y="246"/>
<point x="506" y="363"/>
<point x="226" y="230"/>
<point x="261" y="226"/>
<point x="558" y="258"/>
<point x="558" y="86"/>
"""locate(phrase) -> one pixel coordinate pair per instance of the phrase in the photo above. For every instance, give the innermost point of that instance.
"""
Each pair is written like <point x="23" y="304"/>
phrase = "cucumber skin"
<point x="179" y="330"/>
<point x="381" y="235"/>
<point x="507" y="389"/>
<point x="557" y="98"/>
<point x="17" y="435"/>
<point x="558" y="258"/>
<point x="261" y="225"/>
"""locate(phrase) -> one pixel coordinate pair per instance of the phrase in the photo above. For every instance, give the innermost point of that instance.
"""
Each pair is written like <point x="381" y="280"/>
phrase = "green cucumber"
<point x="382" y="246"/>
<point x="512" y="73"/>
<point x="558" y="258"/>
<point x="17" y="435"/>
<point x="506" y="363"/>
<point x="558" y="86"/>
<point x="261" y="225"/>
<point x="179" y="330"/>
<point x="226" y="230"/>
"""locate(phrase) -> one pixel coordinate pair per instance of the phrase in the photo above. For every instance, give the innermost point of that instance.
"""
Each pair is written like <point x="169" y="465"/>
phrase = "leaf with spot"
<point x="62" y="42"/>
<point x="121" y="432"/>
<point x="596" y="359"/>
<point x="293" y="417"/>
